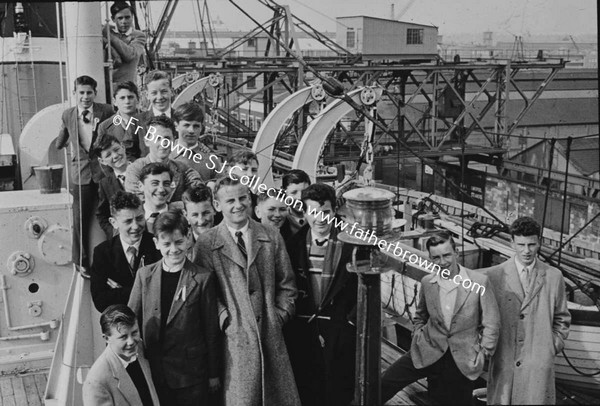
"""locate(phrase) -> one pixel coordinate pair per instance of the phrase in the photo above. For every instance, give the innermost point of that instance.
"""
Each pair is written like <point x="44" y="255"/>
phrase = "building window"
<point x="251" y="84"/>
<point x="414" y="36"/>
<point x="252" y="43"/>
<point x="350" y="38"/>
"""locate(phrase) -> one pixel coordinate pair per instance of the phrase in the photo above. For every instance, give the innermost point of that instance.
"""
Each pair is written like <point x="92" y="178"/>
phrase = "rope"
<point x="577" y="370"/>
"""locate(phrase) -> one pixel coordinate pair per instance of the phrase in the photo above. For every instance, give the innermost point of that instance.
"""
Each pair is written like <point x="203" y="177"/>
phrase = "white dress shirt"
<point x="85" y="129"/>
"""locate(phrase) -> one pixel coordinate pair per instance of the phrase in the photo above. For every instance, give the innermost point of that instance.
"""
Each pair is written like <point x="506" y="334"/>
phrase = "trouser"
<point x="446" y="384"/>
<point x="84" y="201"/>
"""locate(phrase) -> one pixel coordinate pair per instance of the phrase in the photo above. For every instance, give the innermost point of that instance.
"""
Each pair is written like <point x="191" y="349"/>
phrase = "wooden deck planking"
<point x="31" y="391"/>
<point x="23" y="390"/>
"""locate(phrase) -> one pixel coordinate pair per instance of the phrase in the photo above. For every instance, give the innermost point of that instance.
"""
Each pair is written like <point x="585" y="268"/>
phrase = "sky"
<point x="513" y="17"/>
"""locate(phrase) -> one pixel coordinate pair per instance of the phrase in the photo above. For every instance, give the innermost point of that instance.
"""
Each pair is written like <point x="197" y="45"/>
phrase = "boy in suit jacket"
<point x="159" y="142"/>
<point x="257" y="298"/>
<point x="79" y="125"/>
<point x="159" y="93"/>
<point x="535" y="322"/>
<point x="117" y="260"/>
<point x="322" y="337"/>
<point x="176" y="303"/>
<point x="121" y="375"/>
<point x="111" y="154"/>
<point x="123" y="125"/>
<point x="456" y="329"/>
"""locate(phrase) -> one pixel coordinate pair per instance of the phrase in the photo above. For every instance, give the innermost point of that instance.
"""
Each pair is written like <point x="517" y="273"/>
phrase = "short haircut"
<point x="104" y="143"/>
<point x="170" y="221"/>
<point x="525" y="227"/>
<point x="226" y="181"/>
<point x="156" y="75"/>
<point x="124" y="200"/>
<point x="162" y="121"/>
<point x="242" y="156"/>
<point x="263" y="196"/>
<point x="319" y="192"/>
<point x="85" y="81"/>
<point x="127" y="85"/>
<point x="189" y="111"/>
<point x="440" y="238"/>
<point x="155" y="168"/>
<point x="117" y="316"/>
<point x="197" y="194"/>
<point x="117" y="7"/>
<point x="294" y="176"/>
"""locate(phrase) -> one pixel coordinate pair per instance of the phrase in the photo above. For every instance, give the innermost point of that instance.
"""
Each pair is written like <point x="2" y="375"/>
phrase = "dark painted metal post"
<point x="368" y="337"/>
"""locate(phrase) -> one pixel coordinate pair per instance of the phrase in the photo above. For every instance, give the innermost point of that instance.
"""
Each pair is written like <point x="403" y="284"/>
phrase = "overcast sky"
<point x="459" y="16"/>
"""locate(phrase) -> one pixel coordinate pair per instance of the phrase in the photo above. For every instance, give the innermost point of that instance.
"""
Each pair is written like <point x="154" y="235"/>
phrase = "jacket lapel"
<point x="461" y="295"/>
<point x="228" y="246"/>
<point x="120" y="260"/>
<point x="124" y="382"/>
<point x="152" y="299"/>
<point x="432" y="289"/>
<point x="185" y="280"/>
<point x="256" y="237"/>
<point x="538" y="281"/>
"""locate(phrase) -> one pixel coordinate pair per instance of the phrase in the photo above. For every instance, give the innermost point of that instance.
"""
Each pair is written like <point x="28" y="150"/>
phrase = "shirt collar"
<point x="244" y="230"/>
<point x="437" y="278"/>
<point x="127" y="33"/>
<point x="520" y="266"/>
<point x="196" y="145"/>
<point x="148" y="210"/>
<point x="123" y="362"/>
<point x="314" y="237"/>
<point x="91" y="110"/>
<point x="174" y="269"/>
<point x="126" y="246"/>
<point x="157" y="113"/>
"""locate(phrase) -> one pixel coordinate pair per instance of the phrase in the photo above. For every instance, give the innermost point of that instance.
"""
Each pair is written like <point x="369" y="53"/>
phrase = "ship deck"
<point x="23" y="389"/>
<point x="28" y="389"/>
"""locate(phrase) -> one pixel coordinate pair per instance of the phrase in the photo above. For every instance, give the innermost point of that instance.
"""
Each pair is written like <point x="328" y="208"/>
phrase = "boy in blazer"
<point x="121" y="375"/>
<point x="535" y="322"/>
<point x="176" y="303"/>
<point x="79" y="127"/>
<point x="456" y="328"/>
<point x="321" y="338"/>
<point x="123" y="125"/>
<point x="257" y="297"/>
<point x="117" y="260"/>
<point x="160" y="94"/>
<point x="111" y="154"/>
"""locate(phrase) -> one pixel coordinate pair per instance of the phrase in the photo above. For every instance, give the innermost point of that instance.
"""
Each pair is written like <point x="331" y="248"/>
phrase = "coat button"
<point x="258" y="319"/>
<point x="518" y="363"/>
<point x="521" y="316"/>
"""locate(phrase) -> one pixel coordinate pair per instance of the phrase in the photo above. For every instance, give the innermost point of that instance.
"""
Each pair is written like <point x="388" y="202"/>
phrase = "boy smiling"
<point x="176" y="303"/>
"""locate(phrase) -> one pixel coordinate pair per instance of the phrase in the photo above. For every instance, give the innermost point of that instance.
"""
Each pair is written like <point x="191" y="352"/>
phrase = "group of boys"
<point x="239" y="295"/>
<point x="217" y="306"/>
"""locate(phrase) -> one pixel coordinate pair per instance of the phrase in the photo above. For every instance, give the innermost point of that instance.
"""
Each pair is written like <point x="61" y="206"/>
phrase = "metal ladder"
<point x="24" y="92"/>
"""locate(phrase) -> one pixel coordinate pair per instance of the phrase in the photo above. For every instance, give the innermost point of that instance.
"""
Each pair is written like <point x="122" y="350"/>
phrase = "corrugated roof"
<point x="585" y="154"/>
